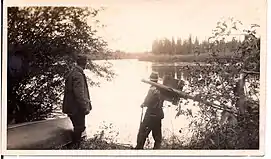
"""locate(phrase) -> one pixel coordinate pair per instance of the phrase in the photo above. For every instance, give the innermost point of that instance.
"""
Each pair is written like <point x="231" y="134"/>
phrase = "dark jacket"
<point x="154" y="103"/>
<point x="76" y="94"/>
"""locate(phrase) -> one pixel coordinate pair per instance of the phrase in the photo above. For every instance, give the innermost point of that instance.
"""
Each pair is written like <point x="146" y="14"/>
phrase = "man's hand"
<point x="142" y="105"/>
<point x="89" y="102"/>
<point x="90" y="105"/>
<point x="87" y="112"/>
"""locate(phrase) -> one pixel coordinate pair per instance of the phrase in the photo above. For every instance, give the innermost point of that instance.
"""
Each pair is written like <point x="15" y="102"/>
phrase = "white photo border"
<point x="263" y="60"/>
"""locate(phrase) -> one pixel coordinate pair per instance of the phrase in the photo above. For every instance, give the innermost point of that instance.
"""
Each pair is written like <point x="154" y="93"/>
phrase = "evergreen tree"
<point x="155" y="47"/>
<point x="190" y="45"/>
<point x="185" y="47"/>
<point x="179" y="46"/>
<point x="167" y="46"/>
<point x="196" y="47"/>
<point x="173" y="46"/>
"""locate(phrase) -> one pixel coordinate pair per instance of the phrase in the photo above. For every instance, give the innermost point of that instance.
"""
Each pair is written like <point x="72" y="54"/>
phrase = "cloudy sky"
<point x="132" y="25"/>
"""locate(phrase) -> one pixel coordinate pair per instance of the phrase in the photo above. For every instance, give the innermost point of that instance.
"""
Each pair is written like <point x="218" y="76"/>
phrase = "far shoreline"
<point x="164" y="58"/>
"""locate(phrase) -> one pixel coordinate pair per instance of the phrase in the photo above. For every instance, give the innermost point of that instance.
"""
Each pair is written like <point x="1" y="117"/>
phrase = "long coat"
<point x="76" y="94"/>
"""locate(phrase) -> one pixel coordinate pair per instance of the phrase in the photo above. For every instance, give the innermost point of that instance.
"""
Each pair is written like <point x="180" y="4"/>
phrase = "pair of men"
<point x="77" y="104"/>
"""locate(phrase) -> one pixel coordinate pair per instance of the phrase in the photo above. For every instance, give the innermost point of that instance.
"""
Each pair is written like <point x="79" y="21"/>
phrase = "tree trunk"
<point x="240" y="105"/>
<point x="240" y="94"/>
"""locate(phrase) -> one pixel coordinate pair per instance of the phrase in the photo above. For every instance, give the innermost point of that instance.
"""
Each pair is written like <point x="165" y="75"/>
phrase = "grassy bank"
<point x="99" y="144"/>
<point x="216" y="137"/>
<point x="226" y="137"/>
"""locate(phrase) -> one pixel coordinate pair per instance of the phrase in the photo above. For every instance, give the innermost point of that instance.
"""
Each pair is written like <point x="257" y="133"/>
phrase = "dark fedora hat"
<point x="154" y="76"/>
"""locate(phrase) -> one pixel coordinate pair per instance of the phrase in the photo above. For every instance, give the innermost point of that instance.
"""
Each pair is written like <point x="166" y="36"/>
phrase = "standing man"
<point x="153" y="116"/>
<point x="76" y="102"/>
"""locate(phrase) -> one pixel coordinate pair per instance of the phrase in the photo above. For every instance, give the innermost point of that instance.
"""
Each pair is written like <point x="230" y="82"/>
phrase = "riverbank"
<point x="98" y="144"/>
<point x="148" y="57"/>
<point x="225" y="137"/>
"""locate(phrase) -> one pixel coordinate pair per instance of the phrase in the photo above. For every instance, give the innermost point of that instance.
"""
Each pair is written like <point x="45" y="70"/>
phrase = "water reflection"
<point x="118" y="102"/>
<point x="174" y="71"/>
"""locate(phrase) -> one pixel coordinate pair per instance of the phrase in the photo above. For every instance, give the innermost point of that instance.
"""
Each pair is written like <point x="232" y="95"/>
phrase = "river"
<point x="116" y="104"/>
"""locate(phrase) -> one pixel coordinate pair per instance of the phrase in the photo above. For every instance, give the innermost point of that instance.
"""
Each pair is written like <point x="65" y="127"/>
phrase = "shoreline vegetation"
<point x="221" y="138"/>
<point x="181" y="50"/>
<point x="150" y="57"/>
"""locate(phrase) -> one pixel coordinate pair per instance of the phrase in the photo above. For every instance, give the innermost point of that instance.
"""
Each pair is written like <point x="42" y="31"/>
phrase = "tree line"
<point x="189" y="46"/>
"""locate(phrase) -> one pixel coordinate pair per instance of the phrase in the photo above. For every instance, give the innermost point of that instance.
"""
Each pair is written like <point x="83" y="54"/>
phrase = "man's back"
<point x="76" y="94"/>
<point x="152" y="119"/>
<point x="154" y="103"/>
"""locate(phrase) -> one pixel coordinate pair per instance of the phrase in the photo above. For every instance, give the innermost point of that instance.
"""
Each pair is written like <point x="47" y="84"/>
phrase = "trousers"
<point x="150" y="124"/>
<point x="78" y="122"/>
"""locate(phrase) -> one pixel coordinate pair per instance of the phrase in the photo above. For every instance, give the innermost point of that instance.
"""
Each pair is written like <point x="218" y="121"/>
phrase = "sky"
<point x="132" y="26"/>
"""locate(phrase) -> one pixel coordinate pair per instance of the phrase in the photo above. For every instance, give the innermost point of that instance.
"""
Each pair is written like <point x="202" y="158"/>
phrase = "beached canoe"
<point x="45" y="134"/>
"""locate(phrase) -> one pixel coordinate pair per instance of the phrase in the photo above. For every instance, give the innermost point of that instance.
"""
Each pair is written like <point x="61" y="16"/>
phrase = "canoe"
<point x="39" y="135"/>
<point x="181" y="94"/>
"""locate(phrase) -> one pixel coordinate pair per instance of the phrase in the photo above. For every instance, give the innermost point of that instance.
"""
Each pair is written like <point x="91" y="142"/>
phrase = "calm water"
<point x="118" y="103"/>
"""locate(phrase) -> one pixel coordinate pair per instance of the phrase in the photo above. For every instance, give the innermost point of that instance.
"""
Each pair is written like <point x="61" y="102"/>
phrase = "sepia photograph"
<point x="145" y="77"/>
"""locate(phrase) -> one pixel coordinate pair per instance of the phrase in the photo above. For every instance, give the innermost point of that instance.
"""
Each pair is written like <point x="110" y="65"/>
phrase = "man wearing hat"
<point x="76" y="102"/>
<point x="153" y="116"/>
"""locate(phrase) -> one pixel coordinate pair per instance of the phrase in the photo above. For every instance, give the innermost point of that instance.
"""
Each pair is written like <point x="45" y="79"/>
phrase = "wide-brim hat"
<point x="154" y="76"/>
